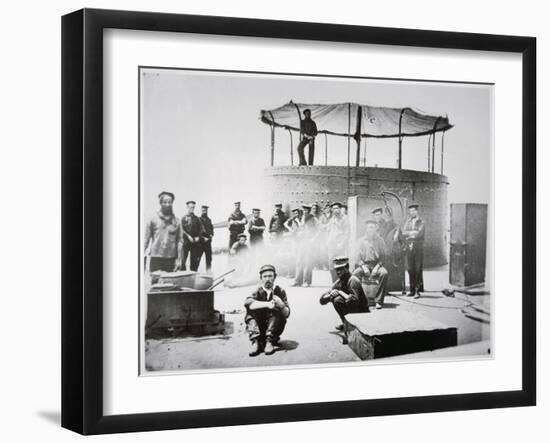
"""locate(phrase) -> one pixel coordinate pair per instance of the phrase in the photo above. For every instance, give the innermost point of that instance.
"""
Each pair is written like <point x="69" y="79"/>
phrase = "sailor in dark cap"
<point x="256" y="228"/>
<point x="163" y="237"/>
<point x="370" y="259"/>
<point x="192" y="232"/>
<point x="267" y="311"/>
<point x="308" y="131"/>
<point x="277" y="223"/>
<point x="237" y="224"/>
<point x="412" y="237"/>
<point x="206" y="237"/>
<point x="239" y="246"/>
<point x="304" y="235"/>
<point x="386" y="226"/>
<point x="347" y="295"/>
<point x="337" y="237"/>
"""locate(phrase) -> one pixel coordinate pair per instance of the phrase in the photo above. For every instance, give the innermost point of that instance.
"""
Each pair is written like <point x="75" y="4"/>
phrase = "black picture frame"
<point x="82" y="218"/>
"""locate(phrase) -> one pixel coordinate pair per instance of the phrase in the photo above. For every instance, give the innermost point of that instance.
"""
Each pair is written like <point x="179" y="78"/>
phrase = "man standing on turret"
<point x="308" y="130"/>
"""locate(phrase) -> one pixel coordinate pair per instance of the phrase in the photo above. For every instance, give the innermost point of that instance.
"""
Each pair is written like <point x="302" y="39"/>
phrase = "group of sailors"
<point x="173" y="244"/>
<point x="310" y="237"/>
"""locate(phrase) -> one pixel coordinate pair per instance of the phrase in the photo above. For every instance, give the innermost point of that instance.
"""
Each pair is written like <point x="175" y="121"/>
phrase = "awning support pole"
<point x="433" y="143"/>
<point x="349" y="131"/>
<point x="429" y="149"/>
<point x="272" y="139"/>
<point x="291" y="149"/>
<point x="400" y="158"/>
<point x="442" y="150"/>
<point x="326" y="149"/>
<point x="365" y="153"/>
<point x="272" y="144"/>
<point x="358" y="136"/>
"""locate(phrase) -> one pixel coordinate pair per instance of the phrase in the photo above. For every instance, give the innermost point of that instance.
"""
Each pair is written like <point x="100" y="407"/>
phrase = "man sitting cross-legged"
<point x="266" y="313"/>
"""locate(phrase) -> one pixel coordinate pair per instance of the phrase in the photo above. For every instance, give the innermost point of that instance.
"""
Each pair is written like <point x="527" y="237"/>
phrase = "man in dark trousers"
<point x="237" y="223"/>
<point x="192" y="230"/>
<point x="277" y="223"/>
<point x="308" y="130"/>
<point x="304" y="252"/>
<point x="267" y="311"/>
<point x="256" y="228"/>
<point x="412" y="237"/>
<point x="369" y="262"/>
<point x="206" y="237"/>
<point x="347" y="295"/>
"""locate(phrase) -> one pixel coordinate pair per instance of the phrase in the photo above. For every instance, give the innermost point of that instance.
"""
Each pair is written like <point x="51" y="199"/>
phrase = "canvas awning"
<point x="349" y="119"/>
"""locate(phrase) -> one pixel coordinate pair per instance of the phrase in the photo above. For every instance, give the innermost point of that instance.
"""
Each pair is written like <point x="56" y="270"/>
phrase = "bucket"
<point x="203" y="281"/>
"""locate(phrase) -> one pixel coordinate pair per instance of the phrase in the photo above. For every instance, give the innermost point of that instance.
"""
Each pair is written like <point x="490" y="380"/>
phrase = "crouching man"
<point x="347" y="295"/>
<point x="266" y="313"/>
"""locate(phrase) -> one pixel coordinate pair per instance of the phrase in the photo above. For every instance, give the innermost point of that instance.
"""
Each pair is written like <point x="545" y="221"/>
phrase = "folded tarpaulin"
<point x="343" y="118"/>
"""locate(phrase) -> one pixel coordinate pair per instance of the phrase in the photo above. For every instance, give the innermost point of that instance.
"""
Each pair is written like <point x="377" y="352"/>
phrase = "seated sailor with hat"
<point x="369" y="262"/>
<point x="266" y="313"/>
<point x="347" y="295"/>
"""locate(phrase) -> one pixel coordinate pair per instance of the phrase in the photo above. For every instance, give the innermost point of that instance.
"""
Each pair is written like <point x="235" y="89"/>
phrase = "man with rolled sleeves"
<point x="412" y="237"/>
<point x="347" y="295"/>
<point x="237" y="224"/>
<point x="267" y="312"/>
<point x="163" y="237"/>
<point x="256" y="228"/>
<point x="369" y="262"/>
<point x="206" y="237"/>
<point x="192" y="231"/>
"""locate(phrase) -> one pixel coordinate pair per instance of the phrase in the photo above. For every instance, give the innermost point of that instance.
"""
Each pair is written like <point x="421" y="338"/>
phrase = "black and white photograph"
<point x="300" y="220"/>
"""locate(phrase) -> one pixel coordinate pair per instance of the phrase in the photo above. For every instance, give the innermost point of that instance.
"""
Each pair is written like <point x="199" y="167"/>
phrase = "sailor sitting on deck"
<point x="266" y="313"/>
<point x="371" y="253"/>
<point x="347" y="295"/>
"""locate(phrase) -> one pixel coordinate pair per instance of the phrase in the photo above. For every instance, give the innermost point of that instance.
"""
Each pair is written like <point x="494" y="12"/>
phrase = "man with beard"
<point x="237" y="223"/>
<point x="206" y="237"/>
<point x="347" y="295"/>
<point x="267" y="311"/>
<point x="163" y="237"/>
<point x="385" y="226"/>
<point x="371" y="254"/>
<point x="192" y="232"/>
